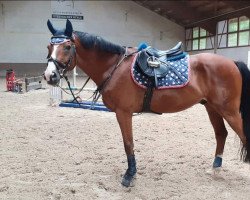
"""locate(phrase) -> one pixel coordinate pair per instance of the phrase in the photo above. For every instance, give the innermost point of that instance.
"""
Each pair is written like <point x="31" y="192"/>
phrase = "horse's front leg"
<point x="125" y="121"/>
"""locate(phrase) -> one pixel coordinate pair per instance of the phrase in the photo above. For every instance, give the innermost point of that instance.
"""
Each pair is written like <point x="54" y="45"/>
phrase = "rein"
<point x="76" y="93"/>
<point x="71" y="91"/>
<point x="101" y="87"/>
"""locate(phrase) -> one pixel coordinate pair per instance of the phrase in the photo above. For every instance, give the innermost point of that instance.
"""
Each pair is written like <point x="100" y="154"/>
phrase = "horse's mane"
<point x="90" y="41"/>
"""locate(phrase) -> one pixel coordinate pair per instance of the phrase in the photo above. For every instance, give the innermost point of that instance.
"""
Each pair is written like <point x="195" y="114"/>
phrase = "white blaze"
<point x="51" y="66"/>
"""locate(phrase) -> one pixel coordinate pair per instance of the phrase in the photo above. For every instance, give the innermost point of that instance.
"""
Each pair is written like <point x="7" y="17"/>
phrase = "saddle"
<point x="171" y="52"/>
<point x="153" y="62"/>
<point x="157" y="69"/>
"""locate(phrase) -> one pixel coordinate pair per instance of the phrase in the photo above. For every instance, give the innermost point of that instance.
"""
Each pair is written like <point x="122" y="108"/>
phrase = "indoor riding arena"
<point x="115" y="100"/>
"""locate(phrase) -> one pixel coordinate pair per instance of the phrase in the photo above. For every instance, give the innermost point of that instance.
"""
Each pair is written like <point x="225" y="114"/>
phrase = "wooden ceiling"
<point x="204" y="14"/>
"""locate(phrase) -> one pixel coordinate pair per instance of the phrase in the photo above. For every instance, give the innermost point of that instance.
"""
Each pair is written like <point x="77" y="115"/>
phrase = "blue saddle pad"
<point x="176" y="77"/>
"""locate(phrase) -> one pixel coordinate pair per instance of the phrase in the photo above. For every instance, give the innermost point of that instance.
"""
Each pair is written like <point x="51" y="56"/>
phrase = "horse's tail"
<point x="245" y="108"/>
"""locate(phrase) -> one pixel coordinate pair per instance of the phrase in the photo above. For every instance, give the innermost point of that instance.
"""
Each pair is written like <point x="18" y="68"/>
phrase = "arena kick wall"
<point x="24" y="35"/>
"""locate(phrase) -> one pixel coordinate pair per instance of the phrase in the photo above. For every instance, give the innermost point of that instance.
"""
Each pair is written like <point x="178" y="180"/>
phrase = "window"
<point x="231" y="33"/>
<point x="197" y="39"/>
<point x="234" y="32"/>
<point x="244" y="31"/>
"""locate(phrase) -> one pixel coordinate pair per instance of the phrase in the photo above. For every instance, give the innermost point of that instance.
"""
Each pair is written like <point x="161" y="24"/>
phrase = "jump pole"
<point x="85" y="105"/>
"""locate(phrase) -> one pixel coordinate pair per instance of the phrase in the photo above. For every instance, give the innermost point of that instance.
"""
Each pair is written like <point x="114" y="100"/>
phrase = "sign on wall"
<point x="62" y="9"/>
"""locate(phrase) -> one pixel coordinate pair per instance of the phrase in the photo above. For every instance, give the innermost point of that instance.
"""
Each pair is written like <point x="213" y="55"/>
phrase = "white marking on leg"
<point x="219" y="155"/>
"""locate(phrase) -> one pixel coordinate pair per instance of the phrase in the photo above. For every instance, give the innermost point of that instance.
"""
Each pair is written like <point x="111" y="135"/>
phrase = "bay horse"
<point x="221" y="84"/>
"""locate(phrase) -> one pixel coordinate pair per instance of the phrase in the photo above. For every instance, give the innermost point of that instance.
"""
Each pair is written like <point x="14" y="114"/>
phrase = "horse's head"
<point x="61" y="56"/>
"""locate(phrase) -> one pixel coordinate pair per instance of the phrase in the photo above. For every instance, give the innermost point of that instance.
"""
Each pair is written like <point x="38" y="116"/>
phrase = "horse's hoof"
<point x="127" y="180"/>
<point x="217" y="162"/>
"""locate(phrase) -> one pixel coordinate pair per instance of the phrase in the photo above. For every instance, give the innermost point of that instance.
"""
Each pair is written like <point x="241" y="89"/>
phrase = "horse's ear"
<point x="51" y="28"/>
<point x="69" y="29"/>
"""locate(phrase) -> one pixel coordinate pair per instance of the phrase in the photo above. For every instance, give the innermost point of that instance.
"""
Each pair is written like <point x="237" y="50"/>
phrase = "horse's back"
<point x="212" y="78"/>
<point x="212" y="61"/>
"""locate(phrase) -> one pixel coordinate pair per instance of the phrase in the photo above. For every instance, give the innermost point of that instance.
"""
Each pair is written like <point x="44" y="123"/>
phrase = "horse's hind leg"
<point x="235" y="121"/>
<point x="232" y="115"/>
<point x="125" y="121"/>
<point x="220" y="134"/>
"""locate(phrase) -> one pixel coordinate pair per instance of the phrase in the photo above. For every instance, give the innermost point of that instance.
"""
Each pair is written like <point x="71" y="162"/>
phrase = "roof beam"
<point x="192" y="13"/>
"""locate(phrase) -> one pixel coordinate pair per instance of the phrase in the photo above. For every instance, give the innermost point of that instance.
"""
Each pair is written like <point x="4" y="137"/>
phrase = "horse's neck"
<point x="97" y="65"/>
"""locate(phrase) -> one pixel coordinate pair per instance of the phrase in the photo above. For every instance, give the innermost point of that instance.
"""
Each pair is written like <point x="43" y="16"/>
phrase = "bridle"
<point x="62" y="68"/>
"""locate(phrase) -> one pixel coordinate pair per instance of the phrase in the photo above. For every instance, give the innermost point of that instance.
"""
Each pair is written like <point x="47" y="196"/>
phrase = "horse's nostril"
<point x="53" y="75"/>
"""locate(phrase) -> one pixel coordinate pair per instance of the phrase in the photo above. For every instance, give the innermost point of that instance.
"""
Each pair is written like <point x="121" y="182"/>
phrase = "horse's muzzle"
<point x="53" y="79"/>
